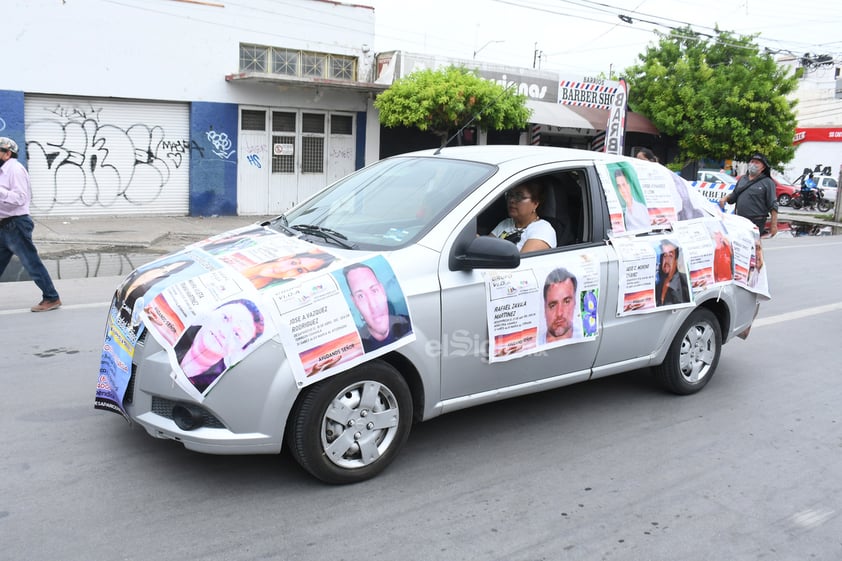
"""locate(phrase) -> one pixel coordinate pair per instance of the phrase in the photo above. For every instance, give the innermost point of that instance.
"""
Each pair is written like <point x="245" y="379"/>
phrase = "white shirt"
<point x="540" y="230"/>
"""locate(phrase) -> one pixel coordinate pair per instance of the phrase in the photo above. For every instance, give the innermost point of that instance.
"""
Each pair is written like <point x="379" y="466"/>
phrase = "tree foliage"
<point x="441" y="101"/>
<point x="720" y="97"/>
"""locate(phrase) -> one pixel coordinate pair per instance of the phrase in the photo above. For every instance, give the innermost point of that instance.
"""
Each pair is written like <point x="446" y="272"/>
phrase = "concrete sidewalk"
<point x="141" y="234"/>
<point x="107" y="246"/>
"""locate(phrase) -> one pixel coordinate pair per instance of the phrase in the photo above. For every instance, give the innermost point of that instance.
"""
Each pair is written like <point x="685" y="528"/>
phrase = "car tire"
<point x="693" y="355"/>
<point x="784" y="200"/>
<point x="350" y="427"/>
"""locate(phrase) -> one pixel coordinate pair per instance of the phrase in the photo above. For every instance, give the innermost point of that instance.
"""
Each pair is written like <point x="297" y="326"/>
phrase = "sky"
<point x="584" y="38"/>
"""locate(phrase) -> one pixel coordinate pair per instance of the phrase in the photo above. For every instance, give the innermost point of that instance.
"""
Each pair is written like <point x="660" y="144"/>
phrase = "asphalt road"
<point x="613" y="469"/>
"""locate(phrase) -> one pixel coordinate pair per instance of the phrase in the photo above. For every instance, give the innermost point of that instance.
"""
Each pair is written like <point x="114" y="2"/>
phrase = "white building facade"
<point x="818" y="135"/>
<point x="187" y="107"/>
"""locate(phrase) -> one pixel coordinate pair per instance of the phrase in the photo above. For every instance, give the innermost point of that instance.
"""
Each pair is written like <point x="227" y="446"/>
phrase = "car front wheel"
<point x="693" y="354"/>
<point x="349" y="427"/>
<point x="784" y="199"/>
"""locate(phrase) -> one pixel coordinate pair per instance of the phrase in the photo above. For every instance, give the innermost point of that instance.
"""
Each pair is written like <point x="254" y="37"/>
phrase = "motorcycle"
<point x="811" y="198"/>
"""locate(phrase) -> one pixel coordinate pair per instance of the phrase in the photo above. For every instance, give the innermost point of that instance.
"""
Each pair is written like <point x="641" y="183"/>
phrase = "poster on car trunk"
<point x="334" y="321"/>
<point x="542" y="308"/>
<point x="653" y="274"/>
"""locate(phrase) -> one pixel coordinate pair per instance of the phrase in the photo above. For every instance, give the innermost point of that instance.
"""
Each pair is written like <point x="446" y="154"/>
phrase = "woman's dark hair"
<point x="647" y="153"/>
<point x="535" y="189"/>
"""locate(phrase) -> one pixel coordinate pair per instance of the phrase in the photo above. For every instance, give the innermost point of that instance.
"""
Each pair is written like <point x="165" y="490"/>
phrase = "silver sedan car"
<point x="424" y="284"/>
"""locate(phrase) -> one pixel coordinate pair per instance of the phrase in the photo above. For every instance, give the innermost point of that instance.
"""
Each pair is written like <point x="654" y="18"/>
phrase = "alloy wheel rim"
<point x="698" y="349"/>
<point x="359" y="424"/>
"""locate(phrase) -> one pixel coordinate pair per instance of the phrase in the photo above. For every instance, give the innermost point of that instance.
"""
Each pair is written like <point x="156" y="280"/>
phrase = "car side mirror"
<point x="485" y="252"/>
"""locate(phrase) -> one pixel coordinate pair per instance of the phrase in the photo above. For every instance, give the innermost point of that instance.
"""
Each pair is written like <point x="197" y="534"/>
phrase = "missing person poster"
<point x="336" y="320"/>
<point x="208" y="324"/>
<point x="537" y="309"/>
<point x="653" y="274"/>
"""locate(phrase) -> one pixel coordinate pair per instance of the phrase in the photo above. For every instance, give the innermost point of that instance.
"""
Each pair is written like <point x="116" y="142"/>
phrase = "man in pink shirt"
<point x="16" y="225"/>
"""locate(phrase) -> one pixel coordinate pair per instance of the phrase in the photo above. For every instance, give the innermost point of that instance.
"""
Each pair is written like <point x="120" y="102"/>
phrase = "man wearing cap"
<point x="754" y="195"/>
<point x="16" y="225"/>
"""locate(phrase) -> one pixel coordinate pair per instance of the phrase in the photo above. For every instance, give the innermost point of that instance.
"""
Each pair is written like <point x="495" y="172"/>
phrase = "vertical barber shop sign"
<point x="615" y="131"/>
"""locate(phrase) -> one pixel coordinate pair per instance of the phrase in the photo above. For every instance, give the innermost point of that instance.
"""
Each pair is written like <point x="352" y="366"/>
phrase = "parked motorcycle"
<point x="810" y="198"/>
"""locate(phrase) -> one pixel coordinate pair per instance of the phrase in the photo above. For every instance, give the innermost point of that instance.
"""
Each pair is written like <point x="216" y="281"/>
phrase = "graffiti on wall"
<point x="97" y="163"/>
<point x="255" y="152"/>
<point x="221" y="143"/>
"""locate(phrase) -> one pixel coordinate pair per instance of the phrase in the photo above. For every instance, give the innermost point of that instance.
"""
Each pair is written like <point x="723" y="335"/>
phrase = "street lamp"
<point x="488" y="43"/>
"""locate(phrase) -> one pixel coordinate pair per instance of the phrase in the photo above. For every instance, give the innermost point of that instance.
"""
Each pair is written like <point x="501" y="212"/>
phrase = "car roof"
<point x="524" y="155"/>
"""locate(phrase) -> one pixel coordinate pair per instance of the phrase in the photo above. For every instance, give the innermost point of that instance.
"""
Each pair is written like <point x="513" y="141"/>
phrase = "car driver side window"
<point x="548" y="207"/>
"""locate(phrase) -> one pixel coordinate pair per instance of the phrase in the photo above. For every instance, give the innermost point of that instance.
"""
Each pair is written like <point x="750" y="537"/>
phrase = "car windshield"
<point x="387" y="205"/>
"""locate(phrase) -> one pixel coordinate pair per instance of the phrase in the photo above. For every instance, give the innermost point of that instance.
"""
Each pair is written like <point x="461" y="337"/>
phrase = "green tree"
<point x="441" y="101"/>
<point x="720" y="97"/>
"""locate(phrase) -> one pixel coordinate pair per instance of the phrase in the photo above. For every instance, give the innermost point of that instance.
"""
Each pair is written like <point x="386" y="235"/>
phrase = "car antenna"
<point x="471" y="120"/>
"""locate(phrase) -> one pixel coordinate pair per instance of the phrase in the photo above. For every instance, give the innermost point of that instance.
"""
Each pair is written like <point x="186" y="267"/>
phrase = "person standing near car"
<point x="754" y="195"/>
<point x="16" y="225"/>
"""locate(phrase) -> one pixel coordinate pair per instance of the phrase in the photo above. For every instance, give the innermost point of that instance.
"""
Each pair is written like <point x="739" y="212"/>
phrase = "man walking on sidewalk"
<point x="16" y="225"/>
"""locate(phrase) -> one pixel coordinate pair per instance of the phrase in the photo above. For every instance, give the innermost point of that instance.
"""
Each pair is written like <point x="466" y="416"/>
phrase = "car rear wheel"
<point x="349" y="427"/>
<point x="693" y="354"/>
<point x="784" y="199"/>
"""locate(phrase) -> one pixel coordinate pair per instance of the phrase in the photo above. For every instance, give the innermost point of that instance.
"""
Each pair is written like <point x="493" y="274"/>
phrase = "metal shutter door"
<point x="89" y="156"/>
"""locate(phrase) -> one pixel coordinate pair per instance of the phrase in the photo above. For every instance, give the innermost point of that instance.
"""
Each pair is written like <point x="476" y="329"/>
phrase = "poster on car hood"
<point x="214" y="303"/>
<point x="334" y="321"/>
<point x="124" y="326"/>
<point x="535" y="309"/>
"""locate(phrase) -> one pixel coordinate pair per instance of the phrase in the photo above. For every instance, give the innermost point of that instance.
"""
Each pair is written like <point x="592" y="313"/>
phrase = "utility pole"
<point x="536" y="55"/>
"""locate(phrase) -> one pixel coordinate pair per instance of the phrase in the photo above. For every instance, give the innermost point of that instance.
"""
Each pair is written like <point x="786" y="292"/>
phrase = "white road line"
<point x="63" y="307"/>
<point x="798" y="314"/>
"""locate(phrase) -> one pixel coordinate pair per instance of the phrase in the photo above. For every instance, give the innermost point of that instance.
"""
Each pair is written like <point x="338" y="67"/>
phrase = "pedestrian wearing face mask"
<point x="754" y="195"/>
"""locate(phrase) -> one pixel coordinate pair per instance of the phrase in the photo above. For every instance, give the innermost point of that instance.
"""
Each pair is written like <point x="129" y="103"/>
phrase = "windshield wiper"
<point x="325" y="233"/>
<point x="280" y="223"/>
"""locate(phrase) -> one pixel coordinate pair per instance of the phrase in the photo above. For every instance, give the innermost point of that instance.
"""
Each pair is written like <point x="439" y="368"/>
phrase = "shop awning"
<point x="578" y="117"/>
<point x="557" y="115"/>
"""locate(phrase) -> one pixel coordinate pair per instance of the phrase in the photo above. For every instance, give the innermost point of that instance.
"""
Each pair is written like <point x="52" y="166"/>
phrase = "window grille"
<point x="341" y="124"/>
<point x="283" y="121"/>
<point x="301" y="64"/>
<point x="283" y="163"/>
<point x="253" y="120"/>
<point x="253" y="58"/>
<point x="342" y="67"/>
<point x="312" y="154"/>
<point x="313" y="122"/>
<point x="313" y="65"/>
<point x="285" y="61"/>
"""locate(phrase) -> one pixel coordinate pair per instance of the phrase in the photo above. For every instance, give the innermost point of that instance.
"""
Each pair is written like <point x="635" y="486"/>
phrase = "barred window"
<point x="301" y="64"/>
<point x="342" y="67"/>
<point x="254" y="58"/>
<point x="253" y="120"/>
<point x="285" y="61"/>
<point x="313" y="122"/>
<point x="283" y="121"/>
<point x="312" y="154"/>
<point x="341" y="124"/>
<point x="313" y="65"/>
<point x="283" y="154"/>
